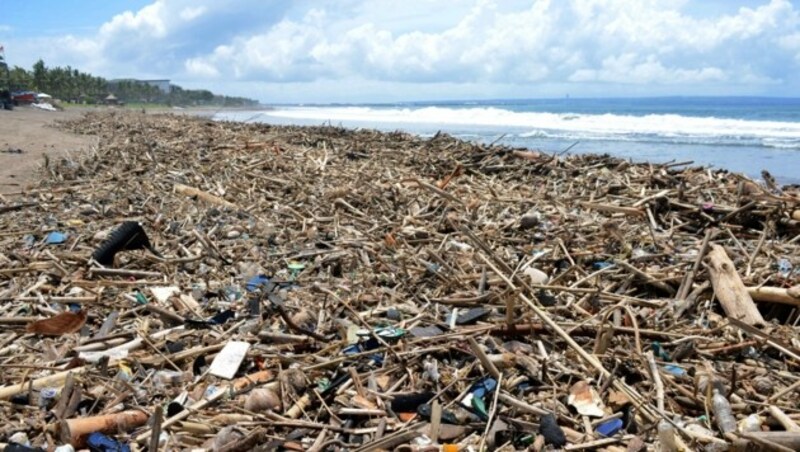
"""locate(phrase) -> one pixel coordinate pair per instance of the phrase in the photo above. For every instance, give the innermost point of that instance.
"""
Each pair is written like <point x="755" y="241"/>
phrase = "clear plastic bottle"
<point x="666" y="437"/>
<point x="723" y="415"/>
<point x="167" y="378"/>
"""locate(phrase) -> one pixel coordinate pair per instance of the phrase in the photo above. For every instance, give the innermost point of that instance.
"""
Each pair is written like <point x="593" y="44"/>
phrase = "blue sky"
<point x="385" y="50"/>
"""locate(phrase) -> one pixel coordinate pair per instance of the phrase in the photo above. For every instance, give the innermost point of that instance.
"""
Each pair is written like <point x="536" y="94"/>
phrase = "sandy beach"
<point x="31" y="131"/>
<point x="28" y="134"/>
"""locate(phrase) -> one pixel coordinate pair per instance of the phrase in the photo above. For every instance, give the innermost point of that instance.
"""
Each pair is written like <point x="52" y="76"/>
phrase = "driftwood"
<point x="729" y="289"/>
<point x="790" y="296"/>
<point x="358" y="290"/>
<point x="205" y="196"/>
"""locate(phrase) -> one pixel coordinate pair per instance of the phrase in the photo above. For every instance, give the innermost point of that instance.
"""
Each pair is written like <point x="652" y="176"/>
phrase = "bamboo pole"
<point x="74" y="431"/>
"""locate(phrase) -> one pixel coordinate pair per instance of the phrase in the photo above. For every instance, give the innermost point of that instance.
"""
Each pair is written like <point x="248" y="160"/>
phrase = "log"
<point x="75" y="431"/>
<point x="781" y="295"/>
<point x="205" y="196"/>
<point x="730" y="290"/>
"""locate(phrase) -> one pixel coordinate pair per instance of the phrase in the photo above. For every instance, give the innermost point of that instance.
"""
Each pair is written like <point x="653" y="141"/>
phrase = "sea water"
<point x="741" y="134"/>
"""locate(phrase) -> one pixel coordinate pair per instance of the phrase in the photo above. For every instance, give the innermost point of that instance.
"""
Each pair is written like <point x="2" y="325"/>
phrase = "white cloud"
<point x="505" y="44"/>
<point x="149" y="22"/>
<point x="612" y="41"/>
<point x="201" y="69"/>
<point x="628" y="68"/>
<point x="5" y="28"/>
<point x="192" y="12"/>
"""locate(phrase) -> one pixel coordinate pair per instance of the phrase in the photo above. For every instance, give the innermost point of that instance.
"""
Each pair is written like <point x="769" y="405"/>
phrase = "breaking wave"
<point x="664" y="128"/>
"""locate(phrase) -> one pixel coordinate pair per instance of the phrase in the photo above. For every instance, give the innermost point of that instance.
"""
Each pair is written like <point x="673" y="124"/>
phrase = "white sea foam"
<point x="655" y="127"/>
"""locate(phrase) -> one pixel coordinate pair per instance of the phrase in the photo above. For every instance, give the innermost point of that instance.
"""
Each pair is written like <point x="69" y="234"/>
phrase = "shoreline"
<point x="740" y="145"/>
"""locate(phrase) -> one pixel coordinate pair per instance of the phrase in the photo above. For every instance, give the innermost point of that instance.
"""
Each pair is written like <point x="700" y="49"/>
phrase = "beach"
<point x="307" y="286"/>
<point x="26" y="136"/>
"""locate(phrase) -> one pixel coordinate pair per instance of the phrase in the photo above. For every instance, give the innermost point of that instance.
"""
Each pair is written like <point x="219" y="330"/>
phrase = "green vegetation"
<point x="73" y="86"/>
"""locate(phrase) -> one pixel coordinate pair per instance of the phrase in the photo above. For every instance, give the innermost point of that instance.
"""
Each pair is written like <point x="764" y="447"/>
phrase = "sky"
<point x="387" y="50"/>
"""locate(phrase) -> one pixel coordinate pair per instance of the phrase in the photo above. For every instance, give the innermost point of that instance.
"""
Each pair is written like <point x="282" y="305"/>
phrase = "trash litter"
<point x="128" y="236"/>
<point x="610" y="428"/>
<point x="98" y="442"/>
<point x="352" y="289"/>
<point x="229" y="359"/>
<point x="585" y="400"/>
<point x="56" y="238"/>
<point x="551" y="431"/>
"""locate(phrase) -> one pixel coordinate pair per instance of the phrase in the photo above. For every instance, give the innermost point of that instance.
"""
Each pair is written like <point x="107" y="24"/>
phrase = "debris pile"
<point x="201" y="285"/>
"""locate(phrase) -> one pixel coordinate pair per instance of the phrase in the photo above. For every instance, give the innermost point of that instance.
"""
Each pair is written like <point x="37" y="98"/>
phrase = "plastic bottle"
<point x="751" y="423"/>
<point x="166" y="378"/>
<point x="666" y="437"/>
<point x="723" y="416"/>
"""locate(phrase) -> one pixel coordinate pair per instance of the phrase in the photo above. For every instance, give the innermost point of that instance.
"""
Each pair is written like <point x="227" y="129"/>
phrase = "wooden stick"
<point x="436" y="421"/>
<point x="783" y="419"/>
<point x="124" y="272"/>
<point x="633" y="211"/>
<point x="786" y="440"/>
<point x="487" y="364"/>
<point x="202" y="195"/>
<point x="39" y="383"/>
<point x="686" y="287"/>
<point x="729" y="288"/>
<point x="789" y="296"/>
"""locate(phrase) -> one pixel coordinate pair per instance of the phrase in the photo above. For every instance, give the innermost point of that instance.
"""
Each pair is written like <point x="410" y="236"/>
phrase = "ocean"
<point x="741" y="134"/>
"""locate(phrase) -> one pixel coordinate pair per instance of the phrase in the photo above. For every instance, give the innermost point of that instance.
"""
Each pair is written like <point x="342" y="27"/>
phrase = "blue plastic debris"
<point x="56" y="238"/>
<point x="256" y="282"/>
<point x="483" y="387"/>
<point x="610" y="428"/>
<point x="675" y="370"/>
<point x="98" y="442"/>
<point x="16" y="447"/>
<point x="475" y="397"/>
<point x="601" y="265"/>
<point x="784" y="268"/>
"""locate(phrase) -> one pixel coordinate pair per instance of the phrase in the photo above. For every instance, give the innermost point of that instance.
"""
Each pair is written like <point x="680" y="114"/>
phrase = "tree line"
<point x="72" y="85"/>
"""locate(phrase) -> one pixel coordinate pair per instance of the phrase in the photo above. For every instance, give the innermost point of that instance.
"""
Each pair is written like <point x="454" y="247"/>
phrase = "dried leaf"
<point x="64" y="323"/>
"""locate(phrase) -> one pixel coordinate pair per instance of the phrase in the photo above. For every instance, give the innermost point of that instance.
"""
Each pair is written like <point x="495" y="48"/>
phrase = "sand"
<point x="30" y="130"/>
